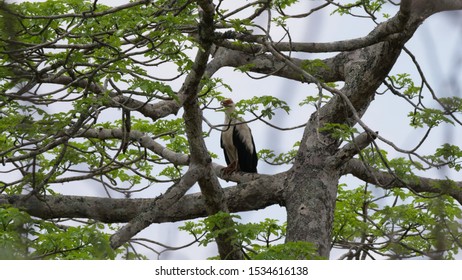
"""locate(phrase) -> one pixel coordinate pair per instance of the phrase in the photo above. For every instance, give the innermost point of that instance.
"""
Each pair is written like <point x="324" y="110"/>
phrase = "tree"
<point x="120" y="96"/>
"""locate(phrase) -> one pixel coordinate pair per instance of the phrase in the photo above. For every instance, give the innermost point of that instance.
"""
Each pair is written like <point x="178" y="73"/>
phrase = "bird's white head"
<point x="229" y="105"/>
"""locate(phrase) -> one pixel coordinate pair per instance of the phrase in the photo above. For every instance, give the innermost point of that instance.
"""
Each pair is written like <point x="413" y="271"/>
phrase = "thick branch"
<point x="254" y="195"/>
<point x="383" y="32"/>
<point x="331" y="71"/>
<point x="209" y="184"/>
<point x="386" y="180"/>
<point x="153" y="111"/>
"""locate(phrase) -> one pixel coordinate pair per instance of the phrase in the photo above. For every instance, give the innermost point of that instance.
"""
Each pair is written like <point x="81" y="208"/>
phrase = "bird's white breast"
<point x="227" y="137"/>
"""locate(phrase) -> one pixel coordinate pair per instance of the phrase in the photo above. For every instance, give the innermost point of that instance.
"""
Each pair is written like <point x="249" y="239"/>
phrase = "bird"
<point x="237" y="142"/>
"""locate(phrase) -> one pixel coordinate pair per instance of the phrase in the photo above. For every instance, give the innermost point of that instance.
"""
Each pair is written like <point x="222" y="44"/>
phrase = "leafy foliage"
<point x="405" y="82"/>
<point x="411" y="226"/>
<point x="22" y="237"/>
<point x="78" y="43"/>
<point x="98" y="63"/>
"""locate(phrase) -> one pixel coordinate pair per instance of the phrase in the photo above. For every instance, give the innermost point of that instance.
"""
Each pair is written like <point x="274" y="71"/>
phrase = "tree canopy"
<point x="108" y="115"/>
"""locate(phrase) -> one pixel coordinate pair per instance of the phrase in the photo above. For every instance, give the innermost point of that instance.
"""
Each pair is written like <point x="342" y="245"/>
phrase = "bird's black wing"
<point x="247" y="157"/>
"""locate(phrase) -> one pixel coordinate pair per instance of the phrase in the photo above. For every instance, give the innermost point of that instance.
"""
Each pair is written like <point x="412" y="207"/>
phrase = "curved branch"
<point x="385" y="31"/>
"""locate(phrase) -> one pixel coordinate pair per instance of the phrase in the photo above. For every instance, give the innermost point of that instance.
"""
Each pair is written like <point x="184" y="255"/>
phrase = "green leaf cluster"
<point x="403" y="82"/>
<point x="240" y="25"/>
<point x="152" y="29"/>
<point x="212" y="88"/>
<point x="270" y="157"/>
<point x="395" y="222"/>
<point x="169" y="131"/>
<point x="451" y="104"/>
<point x="312" y="66"/>
<point x="315" y="101"/>
<point x="283" y="4"/>
<point x="447" y="154"/>
<point x="266" y="105"/>
<point x="298" y="250"/>
<point x="428" y="117"/>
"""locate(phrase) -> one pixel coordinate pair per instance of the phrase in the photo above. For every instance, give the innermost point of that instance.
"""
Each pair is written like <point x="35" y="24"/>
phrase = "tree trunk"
<point x="310" y="197"/>
<point x="311" y="190"/>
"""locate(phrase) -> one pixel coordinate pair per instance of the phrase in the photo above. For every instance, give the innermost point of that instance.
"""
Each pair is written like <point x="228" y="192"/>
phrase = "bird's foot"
<point x="230" y="168"/>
